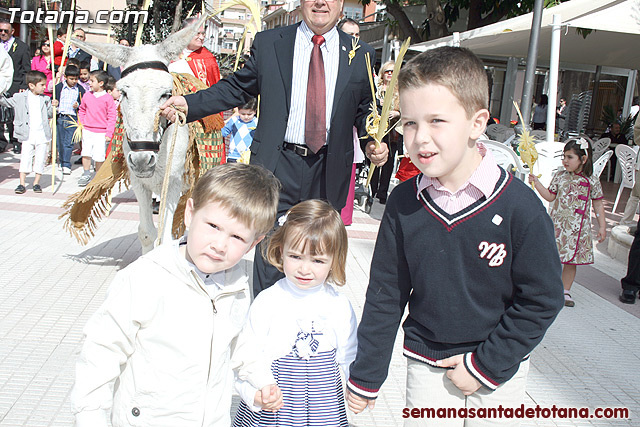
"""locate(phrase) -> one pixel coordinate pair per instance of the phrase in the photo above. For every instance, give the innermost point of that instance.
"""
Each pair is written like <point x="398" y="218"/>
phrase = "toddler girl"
<point x="572" y="189"/>
<point x="301" y="332"/>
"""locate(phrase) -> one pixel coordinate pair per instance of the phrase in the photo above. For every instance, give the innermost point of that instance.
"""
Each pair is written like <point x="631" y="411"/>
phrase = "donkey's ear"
<point x="172" y="46"/>
<point x="113" y="54"/>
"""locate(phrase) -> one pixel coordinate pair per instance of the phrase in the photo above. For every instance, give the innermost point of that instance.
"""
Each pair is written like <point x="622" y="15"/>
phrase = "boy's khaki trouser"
<point x="429" y="387"/>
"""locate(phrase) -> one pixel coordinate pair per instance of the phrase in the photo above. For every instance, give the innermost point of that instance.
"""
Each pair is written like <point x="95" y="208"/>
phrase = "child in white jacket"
<point x="165" y="330"/>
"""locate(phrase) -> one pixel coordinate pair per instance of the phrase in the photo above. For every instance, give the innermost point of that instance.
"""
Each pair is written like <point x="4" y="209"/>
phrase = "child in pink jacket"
<point x="97" y="113"/>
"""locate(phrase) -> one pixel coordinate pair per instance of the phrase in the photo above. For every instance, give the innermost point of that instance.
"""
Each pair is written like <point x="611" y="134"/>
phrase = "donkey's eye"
<point x="123" y="93"/>
<point x="166" y="95"/>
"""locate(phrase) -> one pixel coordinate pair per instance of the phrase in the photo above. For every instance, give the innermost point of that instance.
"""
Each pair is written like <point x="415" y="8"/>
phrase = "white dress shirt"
<point x="301" y="57"/>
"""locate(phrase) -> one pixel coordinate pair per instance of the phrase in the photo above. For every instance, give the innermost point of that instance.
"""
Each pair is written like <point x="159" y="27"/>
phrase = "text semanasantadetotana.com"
<point x="516" y="412"/>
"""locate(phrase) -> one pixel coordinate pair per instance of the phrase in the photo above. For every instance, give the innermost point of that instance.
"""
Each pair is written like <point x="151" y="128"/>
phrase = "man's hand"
<point x="378" y="156"/>
<point x="54" y="102"/>
<point x="169" y="112"/>
<point x="459" y="376"/>
<point x="358" y="404"/>
<point x="269" y="398"/>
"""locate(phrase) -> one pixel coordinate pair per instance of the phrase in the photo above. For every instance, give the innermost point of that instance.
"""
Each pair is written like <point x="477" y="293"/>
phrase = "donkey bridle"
<point x="153" y="65"/>
<point x="147" y="65"/>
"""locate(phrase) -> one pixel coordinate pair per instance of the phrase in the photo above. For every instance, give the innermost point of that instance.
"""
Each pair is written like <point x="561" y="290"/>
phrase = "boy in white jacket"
<point x="32" y="111"/>
<point x="165" y="331"/>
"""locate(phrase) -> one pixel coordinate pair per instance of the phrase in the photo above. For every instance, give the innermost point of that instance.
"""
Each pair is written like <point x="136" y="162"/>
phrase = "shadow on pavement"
<point x="120" y="252"/>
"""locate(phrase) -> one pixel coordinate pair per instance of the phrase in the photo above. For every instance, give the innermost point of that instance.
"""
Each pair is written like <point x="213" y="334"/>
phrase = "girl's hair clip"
<point x="584" y="144"/>
<point x="283" y="219"/>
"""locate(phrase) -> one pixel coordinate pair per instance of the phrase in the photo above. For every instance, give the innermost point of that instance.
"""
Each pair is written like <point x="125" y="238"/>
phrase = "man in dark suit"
<point x="21" y="57"/>
<point x="76" y="52"/>
<point x="278" y="71"/>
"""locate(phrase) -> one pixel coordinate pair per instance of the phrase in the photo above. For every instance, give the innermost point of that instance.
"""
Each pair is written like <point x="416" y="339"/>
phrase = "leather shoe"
<point x="628" y="296"/>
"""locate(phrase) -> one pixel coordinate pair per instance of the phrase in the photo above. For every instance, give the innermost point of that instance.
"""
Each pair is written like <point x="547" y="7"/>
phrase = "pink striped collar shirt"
<point x="481" y="183"/>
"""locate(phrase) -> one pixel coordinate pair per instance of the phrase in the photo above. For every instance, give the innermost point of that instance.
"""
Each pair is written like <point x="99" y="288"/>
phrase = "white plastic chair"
<point x="507" y="134"/>
<point x="627" y="160"/>
<point x="539" y="135"/>
<point x="507" y="158"/>
<point x="600" y="146"/>
<point x="494" y="131"/>
<point x="498" y="132"/>
<point x="601" y="162"/>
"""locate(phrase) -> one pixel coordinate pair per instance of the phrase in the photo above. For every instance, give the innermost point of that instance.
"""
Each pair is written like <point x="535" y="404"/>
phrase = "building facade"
<point x="280" y="14"/>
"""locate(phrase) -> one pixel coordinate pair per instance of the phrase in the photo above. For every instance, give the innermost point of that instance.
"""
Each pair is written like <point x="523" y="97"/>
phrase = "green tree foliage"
<point x="443" y="13"/>
<point x="161" y="20"/>
<point x="394" y="8"/>
<point x="483" y="13"/>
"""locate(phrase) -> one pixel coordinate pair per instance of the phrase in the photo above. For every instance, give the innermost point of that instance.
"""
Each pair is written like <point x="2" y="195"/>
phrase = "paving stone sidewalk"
<point x="50" y="285"/>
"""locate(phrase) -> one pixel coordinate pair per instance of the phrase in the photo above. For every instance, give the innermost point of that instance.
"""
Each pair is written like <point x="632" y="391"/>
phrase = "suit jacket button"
<point x="135" y="412"/>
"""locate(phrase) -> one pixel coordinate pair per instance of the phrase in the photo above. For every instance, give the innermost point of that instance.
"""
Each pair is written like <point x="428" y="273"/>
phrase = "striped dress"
<point x="308" y="368"/>
<point x="312" y="392"/>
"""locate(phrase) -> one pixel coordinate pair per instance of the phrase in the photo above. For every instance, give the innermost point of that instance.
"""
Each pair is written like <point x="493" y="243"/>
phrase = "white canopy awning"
<point x="614" y="41"/>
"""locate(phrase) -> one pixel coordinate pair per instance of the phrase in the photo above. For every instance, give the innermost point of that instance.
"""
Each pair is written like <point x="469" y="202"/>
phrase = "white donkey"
<point x="145" y="85"/>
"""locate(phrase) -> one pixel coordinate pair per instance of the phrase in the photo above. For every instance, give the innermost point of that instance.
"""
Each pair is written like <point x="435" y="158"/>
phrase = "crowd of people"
<point x="78" y="84"/>
<point x="181" y="327"/>
<point x="38" y="79"/>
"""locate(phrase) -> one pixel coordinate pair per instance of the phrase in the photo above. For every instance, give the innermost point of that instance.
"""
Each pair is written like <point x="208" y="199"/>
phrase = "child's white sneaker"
<point x="84" y="180"/>
<point x="66" y="171"/>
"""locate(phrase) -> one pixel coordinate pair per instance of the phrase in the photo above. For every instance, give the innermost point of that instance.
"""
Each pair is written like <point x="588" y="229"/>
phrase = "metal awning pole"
<point x="594" y="99"/>
<point x="532" y="56"/>
<point x="554" y="67"/>
<point x="628" y="94"/>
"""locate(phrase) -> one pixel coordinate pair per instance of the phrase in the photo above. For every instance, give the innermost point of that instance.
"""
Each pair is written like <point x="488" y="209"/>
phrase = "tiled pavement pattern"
<point x="50" y="285"/>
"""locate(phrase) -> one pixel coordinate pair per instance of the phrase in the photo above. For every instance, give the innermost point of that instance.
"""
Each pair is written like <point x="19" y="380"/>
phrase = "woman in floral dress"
<point x="572" y="191"/>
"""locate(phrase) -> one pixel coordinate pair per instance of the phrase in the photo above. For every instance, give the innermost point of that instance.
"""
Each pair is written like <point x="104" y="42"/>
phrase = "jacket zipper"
<point x="215" y="311"/>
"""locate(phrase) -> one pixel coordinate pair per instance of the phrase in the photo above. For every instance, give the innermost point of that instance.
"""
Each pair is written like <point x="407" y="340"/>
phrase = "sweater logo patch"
<point x="494" y="252"/>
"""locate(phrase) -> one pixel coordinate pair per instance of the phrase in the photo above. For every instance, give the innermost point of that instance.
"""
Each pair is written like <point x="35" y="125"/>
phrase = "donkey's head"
<point x="145" y="85"/>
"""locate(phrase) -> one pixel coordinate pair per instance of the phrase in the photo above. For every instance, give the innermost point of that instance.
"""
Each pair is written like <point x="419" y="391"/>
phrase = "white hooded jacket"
<point x="166" y="342"/>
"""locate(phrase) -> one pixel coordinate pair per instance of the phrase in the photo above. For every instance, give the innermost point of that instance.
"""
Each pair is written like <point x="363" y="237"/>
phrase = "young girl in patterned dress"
<point x="572" y="191"/>
<point x="301" y="332"/>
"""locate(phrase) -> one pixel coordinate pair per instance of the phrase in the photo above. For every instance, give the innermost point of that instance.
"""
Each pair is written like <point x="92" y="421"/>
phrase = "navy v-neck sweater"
<point x="484" y="282"/>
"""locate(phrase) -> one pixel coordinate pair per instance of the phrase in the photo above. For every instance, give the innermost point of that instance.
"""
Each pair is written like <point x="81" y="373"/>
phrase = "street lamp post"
<point x="24" y="28"/>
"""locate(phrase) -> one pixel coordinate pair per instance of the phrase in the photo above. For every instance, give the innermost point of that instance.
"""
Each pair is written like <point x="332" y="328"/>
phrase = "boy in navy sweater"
<point x="467" y="246"/>
<point x="69" y="94"/>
